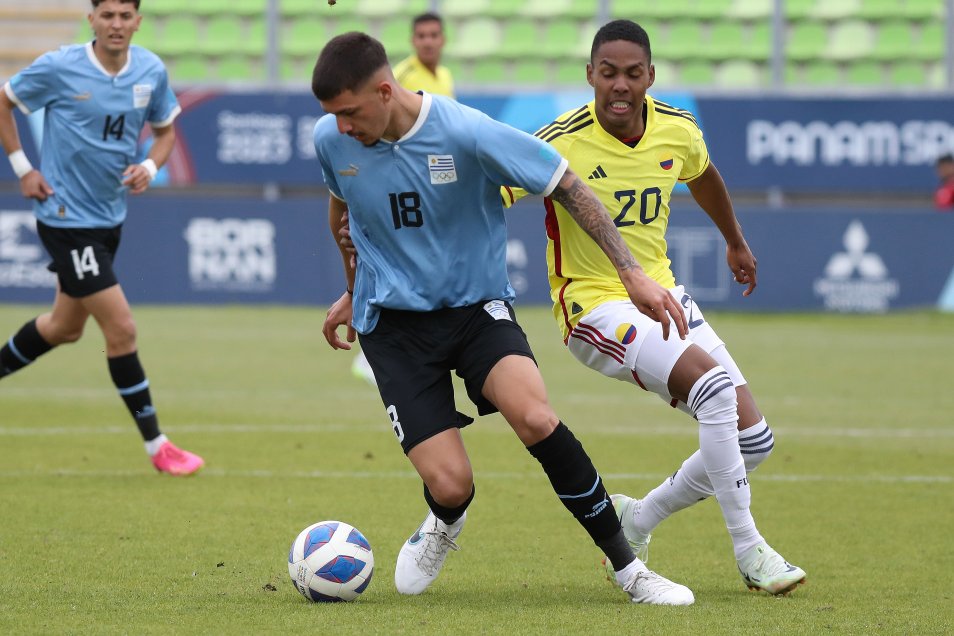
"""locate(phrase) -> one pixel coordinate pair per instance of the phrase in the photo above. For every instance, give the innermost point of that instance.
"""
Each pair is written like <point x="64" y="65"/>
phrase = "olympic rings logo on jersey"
<point x="443" y="176"/>
<point x="441" y="169"/>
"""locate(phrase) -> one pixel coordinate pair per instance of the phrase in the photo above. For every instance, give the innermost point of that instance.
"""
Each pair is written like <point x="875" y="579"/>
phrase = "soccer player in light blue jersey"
<point x="429" y="293"/>
<point x="97" y="98"/>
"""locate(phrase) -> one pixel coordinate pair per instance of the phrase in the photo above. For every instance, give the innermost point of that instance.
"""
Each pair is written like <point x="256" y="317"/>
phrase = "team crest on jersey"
<point x="142" y="93"/>
<point x="665" y="161"/>
<point x="626" y="333"/>
<point x="442" y="169"/>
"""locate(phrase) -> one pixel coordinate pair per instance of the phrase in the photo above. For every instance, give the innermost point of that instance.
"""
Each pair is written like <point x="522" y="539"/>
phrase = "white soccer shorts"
<point x="620" y="342"/>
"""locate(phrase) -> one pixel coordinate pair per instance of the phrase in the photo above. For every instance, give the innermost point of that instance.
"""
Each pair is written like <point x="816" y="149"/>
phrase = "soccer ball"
<point x="330" y="561"/>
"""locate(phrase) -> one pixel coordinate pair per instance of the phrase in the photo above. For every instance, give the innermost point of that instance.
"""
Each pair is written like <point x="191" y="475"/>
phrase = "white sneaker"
<point x="763" y="568"/>
<point x="653" y="589"/>
<point x="361" y="369"/>
<point x="626" y="509"/>
<point x="422" y="556"/>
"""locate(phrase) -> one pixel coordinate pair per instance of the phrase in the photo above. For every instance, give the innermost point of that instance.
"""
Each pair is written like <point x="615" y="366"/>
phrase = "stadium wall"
<point x="212" y="250"/>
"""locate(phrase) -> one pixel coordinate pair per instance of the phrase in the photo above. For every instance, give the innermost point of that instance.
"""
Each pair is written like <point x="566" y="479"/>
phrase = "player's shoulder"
<point x="66" y="56"/>
<point x="452" y="110"/>
<point x="403" y="68"/>
<point x="145" y="57"/>
<point x="326" y="128"/>
<point x="566" y="128"/>
<point x="669" y="115"/>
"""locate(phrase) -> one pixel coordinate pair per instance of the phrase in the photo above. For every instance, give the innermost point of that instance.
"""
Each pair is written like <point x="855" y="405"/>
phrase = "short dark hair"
<point x="621" y="30"/>
<point x="96" y="3"/>
<point x="429" y="16"/>
<point x="345" y="63"/>
<point x="945" y="158"/>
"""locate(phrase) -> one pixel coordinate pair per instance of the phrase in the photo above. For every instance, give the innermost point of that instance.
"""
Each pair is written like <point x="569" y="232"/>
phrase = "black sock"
<point x="581" y="490"/>
<point x="133" y="386"/>
<point x="617" y="550"/>
<point x="23" y="348"/>
<point x="445" y="514"/>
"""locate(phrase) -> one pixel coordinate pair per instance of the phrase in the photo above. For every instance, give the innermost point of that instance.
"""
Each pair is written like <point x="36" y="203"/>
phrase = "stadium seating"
<point x="710" y="43"/>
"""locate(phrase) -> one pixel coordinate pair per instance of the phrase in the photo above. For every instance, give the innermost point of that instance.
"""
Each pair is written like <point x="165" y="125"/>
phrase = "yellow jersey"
<point x="413" y="75"/>
<point x="634" y="183"/>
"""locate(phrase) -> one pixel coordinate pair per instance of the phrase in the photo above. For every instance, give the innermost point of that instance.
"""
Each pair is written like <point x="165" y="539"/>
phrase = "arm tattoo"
<point x="590" y="214"/>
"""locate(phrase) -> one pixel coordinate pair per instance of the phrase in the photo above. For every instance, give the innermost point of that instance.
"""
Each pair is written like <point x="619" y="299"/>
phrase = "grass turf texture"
<point x="858" y="492"/>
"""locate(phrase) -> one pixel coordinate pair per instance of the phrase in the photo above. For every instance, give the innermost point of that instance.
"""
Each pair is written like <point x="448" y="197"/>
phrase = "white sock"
<point x="687" y="486"/>
<point x="153" y="445"/>
<point x="712" y="398"/>
<point x="629" y="571"/>
<point x="690" y="484"/>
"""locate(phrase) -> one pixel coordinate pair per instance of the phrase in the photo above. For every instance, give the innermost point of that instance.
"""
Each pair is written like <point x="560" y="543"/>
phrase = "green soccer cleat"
<point x="763" y="568"/>
<point x="626" y="509"/>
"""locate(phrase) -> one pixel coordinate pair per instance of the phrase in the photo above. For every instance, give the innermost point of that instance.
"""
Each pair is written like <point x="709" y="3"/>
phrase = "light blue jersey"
<point x="425" y="211"/>
<point x="91" y="128"/>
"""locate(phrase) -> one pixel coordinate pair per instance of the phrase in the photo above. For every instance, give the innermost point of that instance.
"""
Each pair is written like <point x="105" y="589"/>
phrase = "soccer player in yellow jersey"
<point x="422" y="71"/>
<point x="634" y="149"/>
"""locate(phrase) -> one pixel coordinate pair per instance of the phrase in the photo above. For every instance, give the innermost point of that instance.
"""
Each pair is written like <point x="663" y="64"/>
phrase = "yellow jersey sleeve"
<point x="697" y="157"/>
<point x="511" y="194"/>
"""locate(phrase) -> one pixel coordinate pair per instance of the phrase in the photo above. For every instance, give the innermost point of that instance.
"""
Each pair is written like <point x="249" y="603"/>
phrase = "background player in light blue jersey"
<point x="429" y="293"/>
<point x="97" y="98"/>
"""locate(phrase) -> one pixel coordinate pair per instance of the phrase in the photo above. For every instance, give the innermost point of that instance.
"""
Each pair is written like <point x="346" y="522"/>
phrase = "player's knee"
<point x="757" y="448"/>
<point x="535" y="423"/>
<point x="712" y="398"/>
<point x="121" y="334"/>
<point x="58" y="333"/>
<point x="452" y="487"/>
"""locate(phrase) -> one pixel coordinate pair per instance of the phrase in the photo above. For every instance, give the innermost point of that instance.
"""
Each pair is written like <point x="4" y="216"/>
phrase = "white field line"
<point x="619" y="429"/>
<point x="410" y="475"/>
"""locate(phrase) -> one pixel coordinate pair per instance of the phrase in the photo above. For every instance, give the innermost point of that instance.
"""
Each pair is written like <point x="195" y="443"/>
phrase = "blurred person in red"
<point x="944" y="196"/>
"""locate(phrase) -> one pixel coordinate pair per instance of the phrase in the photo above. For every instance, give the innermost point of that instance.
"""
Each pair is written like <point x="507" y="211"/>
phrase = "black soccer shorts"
<point x="82" y="257"/>
<point x="412" y="355"/>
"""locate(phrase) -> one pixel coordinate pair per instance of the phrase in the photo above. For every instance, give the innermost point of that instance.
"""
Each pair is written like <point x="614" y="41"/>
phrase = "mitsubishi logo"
<point x="856" y="279"/>
<point x="855" y="259"/>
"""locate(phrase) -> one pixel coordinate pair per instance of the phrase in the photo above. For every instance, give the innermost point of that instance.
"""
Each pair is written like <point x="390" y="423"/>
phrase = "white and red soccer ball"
<point x="330" y="561"/>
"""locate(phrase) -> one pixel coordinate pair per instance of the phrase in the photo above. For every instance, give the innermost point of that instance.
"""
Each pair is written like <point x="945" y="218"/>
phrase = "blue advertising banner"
<point x="864" y="145"/>
<point x="179" y="249"/>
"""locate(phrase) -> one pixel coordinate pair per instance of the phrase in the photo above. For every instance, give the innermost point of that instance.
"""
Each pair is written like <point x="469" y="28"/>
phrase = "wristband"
<point x="19" y="162"/>
<point x="350" y="292"/>
<point x="150" y="167"/>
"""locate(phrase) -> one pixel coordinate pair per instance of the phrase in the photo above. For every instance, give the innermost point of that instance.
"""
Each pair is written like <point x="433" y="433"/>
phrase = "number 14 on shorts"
<point x="85" y="262"/>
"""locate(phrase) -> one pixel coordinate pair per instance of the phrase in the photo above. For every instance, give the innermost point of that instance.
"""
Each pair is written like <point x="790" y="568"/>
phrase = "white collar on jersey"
<point x="421" y="118"/>
<point x="92" y="58"/>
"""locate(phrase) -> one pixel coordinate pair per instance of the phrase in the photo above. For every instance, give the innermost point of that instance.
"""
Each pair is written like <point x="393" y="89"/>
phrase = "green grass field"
<point x="859" y="491"/>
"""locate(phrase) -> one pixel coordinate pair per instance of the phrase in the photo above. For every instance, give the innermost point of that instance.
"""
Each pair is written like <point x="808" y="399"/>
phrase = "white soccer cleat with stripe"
<point x="763" y="568"/>
<point x="422" y="556"/>
<point x="652" y="589"/>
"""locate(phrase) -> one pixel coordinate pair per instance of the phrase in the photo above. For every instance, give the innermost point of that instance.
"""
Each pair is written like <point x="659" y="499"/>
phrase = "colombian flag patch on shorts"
<point x="626" y="333"/>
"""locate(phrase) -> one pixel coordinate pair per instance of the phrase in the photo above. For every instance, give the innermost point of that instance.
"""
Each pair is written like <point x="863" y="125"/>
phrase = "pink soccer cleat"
<point x="175" y="461"/>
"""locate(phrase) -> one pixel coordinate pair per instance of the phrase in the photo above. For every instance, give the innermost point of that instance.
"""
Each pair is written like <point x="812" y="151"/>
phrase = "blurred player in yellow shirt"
<point x="633" y="150"/>
<point x="422" y="71"/>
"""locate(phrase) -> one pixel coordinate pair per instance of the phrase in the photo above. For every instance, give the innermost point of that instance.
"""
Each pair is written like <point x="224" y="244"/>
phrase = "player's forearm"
<point x="337" y="209"/>
<point x="589" y="213"/>
<point x="710" y="193"/>
<point x="9" y="137"/>
<point x="163" y="141"/>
